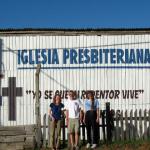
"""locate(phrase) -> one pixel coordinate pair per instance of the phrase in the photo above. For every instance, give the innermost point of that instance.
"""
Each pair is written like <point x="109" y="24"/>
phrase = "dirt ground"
<point x="131" y="145"/>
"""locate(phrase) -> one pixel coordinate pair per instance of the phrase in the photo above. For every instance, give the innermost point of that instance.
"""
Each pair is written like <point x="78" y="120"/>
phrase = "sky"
<point x="74" y="13"/>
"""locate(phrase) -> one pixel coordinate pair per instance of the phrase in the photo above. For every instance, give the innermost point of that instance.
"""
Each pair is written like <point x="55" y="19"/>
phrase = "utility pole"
<point x="37" y="109"/>
<point x="1" y="76"/>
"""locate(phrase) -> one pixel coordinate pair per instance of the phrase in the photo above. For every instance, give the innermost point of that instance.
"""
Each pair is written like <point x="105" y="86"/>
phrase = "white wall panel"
<point x="64" y="79"/>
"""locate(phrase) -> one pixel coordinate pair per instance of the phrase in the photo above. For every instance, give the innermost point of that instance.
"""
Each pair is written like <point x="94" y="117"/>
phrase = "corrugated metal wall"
<point x="74" y="79"/>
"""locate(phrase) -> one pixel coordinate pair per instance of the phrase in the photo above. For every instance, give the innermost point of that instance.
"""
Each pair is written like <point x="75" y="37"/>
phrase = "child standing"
<point x="91" y="119"/>
<point x="55" y="113"/>
<point x="73" y="114"/>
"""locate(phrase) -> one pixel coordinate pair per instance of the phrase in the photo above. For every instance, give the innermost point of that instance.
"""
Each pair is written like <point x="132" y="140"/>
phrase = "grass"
<point x="127" y="145"/>
<point x="121" y="145"/>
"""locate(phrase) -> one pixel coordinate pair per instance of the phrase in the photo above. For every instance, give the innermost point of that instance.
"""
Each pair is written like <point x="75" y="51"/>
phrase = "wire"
<point x="84" y="47"/>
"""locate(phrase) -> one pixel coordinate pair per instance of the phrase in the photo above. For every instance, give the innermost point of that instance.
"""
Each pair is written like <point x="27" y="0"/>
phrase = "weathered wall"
<point x="98" y="76"/>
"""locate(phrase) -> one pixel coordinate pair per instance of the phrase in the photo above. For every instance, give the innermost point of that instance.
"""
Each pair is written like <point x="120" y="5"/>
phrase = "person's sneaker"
<point x="88" y="145"/>
<point x="93" y="146"/>
<point x="77" y="147"/>
<point x="72" y="148"/>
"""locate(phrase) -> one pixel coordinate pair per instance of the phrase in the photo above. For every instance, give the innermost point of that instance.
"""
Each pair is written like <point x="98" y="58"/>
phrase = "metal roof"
<point x="78" y="31"/>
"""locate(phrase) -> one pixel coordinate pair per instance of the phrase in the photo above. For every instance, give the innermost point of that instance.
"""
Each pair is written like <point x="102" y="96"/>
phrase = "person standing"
<point x="73" y="114"/>
<point x="91" y="119"/>
<point x="55" y="113"/>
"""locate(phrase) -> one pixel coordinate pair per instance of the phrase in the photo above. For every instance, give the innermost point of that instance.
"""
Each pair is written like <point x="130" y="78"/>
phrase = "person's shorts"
<point x="73" y="126"/>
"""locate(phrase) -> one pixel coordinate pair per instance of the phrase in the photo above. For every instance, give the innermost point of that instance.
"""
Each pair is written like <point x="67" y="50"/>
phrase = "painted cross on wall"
<point x="12" y="92"/>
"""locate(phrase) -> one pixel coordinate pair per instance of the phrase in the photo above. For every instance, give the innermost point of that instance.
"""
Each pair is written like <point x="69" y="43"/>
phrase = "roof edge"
<point x="72" y="31"/>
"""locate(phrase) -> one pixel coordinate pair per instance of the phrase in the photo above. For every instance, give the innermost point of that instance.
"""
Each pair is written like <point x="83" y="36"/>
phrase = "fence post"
<point x="44" y="131"/>
<point x="37" y="109"/>
<point x="140" y="123"/>
<point x="127" y="125"/>
<point x="49" y="122"/>
<point x="103" y="124"/>
<point x="122" y="126"/>
<point x="131" y="125"/>
<point x="149" y="123"/>
<point x="135" y="124"/>
<point x="117" y="126"/>
<point x="145" y="124"/>
<point x="63" y="131"/>
<point x="108" y="122"/>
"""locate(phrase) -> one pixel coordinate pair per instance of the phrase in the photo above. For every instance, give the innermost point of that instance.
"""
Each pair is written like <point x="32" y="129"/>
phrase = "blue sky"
<point x="74" y="13"/>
